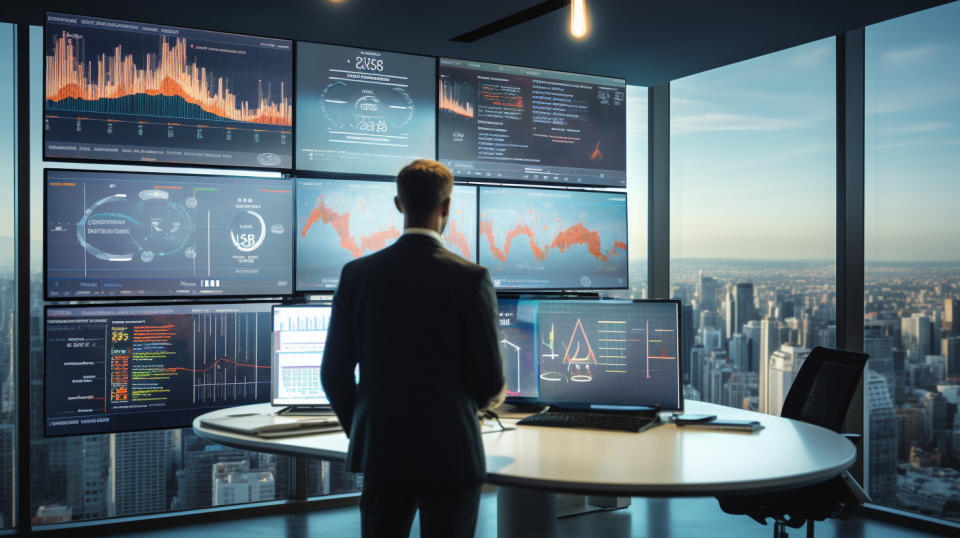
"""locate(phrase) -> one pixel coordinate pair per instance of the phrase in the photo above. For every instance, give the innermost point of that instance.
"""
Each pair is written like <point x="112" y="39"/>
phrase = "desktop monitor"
<point x="124" y="368"/>
<point x="610" y="353"/>
<point x="152" y="93"/>
<point x="553" y="239"/>
<point x="341" y="220"/>
<point x="363" y="111"/>
<point x="299" y="336"/>
<point x="123" y="235"/>
<point x="516" y="327"/>
<point x="501" y="122"/>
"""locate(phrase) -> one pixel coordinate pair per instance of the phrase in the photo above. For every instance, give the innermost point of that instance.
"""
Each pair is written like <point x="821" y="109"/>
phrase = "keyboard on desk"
<point x="602" y="421"/>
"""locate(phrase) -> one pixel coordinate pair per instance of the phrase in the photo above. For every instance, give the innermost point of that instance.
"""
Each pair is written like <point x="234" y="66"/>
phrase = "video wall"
<point x="539" y="159"/>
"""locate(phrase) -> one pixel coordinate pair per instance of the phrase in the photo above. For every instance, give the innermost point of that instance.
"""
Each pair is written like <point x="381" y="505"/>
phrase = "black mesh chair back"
<point x="824" y="387"/>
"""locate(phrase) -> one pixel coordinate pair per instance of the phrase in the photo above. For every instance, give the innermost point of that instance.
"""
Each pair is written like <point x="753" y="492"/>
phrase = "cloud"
<point x="719" y="121"/>
<point x="914" y="128"/>
<point x="902" y="56"/>
<point x="918" y="97"/>
<point x="811" y="56"/>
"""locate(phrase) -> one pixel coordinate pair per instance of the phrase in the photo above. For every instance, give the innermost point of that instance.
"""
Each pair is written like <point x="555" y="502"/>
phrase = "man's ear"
<point x="445" y="207"/>
<point x="396" y="202"/>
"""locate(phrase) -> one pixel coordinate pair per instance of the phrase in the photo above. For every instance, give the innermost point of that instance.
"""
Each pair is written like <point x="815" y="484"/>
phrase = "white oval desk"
<point x="531" y="463"/>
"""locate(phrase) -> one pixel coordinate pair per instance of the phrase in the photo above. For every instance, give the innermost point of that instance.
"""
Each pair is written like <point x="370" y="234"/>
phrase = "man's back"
<point x="421" y="323"/>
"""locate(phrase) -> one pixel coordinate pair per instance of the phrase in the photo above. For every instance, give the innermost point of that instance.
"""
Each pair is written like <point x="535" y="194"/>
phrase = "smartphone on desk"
<point x="725" y="424"/>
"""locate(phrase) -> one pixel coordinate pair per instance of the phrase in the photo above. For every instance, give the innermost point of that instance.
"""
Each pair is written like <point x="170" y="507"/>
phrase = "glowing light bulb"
<point x="578" y="19"/>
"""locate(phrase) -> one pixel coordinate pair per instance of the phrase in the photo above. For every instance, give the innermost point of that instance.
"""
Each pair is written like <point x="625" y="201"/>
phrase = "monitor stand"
<point x="307" y="410"/>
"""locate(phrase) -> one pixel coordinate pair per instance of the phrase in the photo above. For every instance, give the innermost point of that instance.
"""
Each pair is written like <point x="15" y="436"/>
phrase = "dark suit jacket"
<point x="421" y="322"/>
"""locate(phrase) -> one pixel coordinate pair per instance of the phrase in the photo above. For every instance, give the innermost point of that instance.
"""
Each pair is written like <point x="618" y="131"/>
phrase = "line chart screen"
<point x="503" y="122"/>
<point x="116" y="234"/>
<point x="363" y="111"/>
<point x="123" y="368"/>
<point x="516" y="326"/>
<point x="341" y="220"/>
<point x="553" y="238"/>
<point x="609" y="353"/>
<point x="137" y="92"/>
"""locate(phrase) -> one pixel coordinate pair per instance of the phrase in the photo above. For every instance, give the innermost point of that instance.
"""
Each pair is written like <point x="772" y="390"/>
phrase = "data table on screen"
<point x="500" y="122"/>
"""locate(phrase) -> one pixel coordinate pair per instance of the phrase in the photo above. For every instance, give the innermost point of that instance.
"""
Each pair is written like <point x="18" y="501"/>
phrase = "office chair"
<point x="820" y="395"/>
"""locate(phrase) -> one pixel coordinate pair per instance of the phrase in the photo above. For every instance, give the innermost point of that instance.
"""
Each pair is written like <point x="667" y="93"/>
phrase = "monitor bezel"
<point x="74" y="306"/>
<point x="293" y="103"/>
<point x="626" y="155"/>
<point x="326" y="303"/>
<point x="561" y="289"/>
<point x="360" y="175"/>
<point x="111" y="298"/>
<point x="638" y="407"/>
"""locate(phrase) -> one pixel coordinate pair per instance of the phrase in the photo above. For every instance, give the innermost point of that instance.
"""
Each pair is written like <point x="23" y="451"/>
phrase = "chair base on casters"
<point x="837" y="497"/>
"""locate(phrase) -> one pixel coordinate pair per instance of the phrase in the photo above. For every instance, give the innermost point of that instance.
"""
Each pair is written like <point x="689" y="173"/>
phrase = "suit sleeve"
<point x="484" y="368"/>
<point x="340" y="358"/>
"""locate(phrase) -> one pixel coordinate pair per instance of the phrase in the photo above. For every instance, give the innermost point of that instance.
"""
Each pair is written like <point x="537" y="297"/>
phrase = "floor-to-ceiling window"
<point x="752" y="222"/>
<point x="912" y="252"/>
<point x="8" y="280"/>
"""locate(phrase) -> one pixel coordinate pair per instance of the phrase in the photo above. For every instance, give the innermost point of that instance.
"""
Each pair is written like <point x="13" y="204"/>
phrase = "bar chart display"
<point x="121" y="368"/>
<point x="516" y="326"/>
<point x="299" y="336"/>
<point x="503" y="122"/>
<point x="115" y="234"/>
<point x="363" y="111"/>
<point x="553" y="239"/>
<point x="609" y="353"/>
<point x="341" y="220"/>
<point x="127" y="91"/>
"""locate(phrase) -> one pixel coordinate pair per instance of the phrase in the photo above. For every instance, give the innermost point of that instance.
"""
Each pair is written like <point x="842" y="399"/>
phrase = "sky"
<point x="753" y="149"/>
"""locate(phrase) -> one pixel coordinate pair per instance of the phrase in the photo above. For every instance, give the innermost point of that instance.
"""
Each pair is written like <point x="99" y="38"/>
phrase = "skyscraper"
<point x="740" y="352"/>
<point x="882" y="452"/>
<point x="769" y="340"/>
<point x="752" y="331"/>
<point x="951" y="317"/>
<point x="137" y="481"/>
<point x="782" y="370"/>
<point x="950" y="349"/>
<point x="744" y="309"/>
<point x="917" y="334"/>
<point x="707" y="288"/>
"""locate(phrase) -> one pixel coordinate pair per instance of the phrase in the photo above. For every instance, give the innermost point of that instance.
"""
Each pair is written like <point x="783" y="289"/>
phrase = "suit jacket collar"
<point x="418" y="239"/>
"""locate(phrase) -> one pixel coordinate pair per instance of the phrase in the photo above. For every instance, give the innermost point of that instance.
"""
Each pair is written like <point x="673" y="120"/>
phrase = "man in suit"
<point x="421" y="322"/>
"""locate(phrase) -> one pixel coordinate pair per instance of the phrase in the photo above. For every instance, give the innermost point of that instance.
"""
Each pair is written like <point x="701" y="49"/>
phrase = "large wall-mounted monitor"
<point x="502" y="122"/>
<point x="516" y="326"/>
<point x="363" y="111"/>
<point x="149" y="93"/>
<point x="549" y="239"/>
<point x="615" y="353"/>
<point x="341" y="220"/>
<point x="133" y="235"/>
<point x="122" y="368"/>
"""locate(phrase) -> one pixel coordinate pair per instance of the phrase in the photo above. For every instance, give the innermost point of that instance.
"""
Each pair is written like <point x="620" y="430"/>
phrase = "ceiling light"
<point x="578" y="19"/>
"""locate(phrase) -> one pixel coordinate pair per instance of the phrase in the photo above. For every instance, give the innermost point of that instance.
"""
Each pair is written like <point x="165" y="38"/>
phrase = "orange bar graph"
<point x="167" y="74"/>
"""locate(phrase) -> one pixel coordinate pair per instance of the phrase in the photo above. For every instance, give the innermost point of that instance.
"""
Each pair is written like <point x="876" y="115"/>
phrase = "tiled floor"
<point x="654" y="518"/>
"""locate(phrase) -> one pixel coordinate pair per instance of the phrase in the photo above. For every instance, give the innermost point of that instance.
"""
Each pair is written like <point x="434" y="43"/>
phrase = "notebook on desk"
<point x="270" y="425"/>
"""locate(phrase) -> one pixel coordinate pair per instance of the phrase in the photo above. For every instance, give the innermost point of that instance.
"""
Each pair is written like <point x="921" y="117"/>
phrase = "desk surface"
<point x="665" y="460"/>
